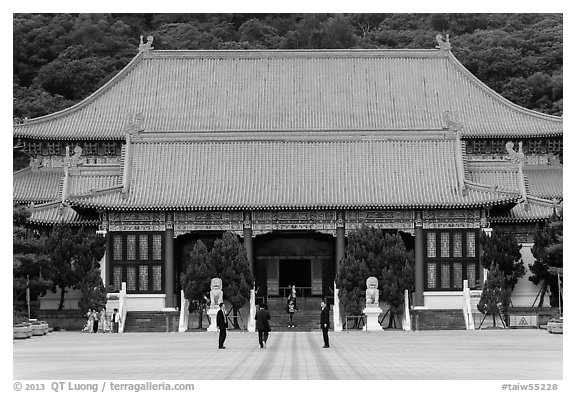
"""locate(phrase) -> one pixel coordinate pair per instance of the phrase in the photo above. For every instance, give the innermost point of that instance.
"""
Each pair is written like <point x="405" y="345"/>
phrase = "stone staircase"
<point x="151" y="321"/>
<point x="306" y="318"/>
<point x="437" y="319"/>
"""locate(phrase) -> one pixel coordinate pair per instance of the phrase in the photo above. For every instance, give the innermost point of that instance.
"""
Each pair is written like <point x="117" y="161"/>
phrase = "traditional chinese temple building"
<point x="292" y="150"/>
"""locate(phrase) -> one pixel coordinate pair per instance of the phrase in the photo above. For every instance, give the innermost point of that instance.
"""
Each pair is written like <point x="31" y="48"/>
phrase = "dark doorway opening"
<point x="295" y="272"/>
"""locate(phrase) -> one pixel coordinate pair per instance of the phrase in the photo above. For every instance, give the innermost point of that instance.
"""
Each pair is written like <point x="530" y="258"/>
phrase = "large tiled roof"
<point x="502" y="175"/>
<point x="37" y="186"/>
<point x="292" y="174"/>
<point x="271" y="90"/>
<point x="535" y="209"/>
<point x="545" y="181"/>
<point x="56" y="213"/>
<point x="82" y="183"/>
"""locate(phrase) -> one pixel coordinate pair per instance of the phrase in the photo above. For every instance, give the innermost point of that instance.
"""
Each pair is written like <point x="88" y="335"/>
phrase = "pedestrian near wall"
<point x="325" y="323"/>
<point x="222" y="325"/>
<point x="291" y="306"/>
<point x="263" y="325"/>
<point x="95" y="318"/>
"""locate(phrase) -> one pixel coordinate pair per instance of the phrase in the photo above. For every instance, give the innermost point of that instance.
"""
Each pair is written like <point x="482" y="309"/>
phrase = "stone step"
<point x="452" y="319"/>
<point x="151" y="321"/>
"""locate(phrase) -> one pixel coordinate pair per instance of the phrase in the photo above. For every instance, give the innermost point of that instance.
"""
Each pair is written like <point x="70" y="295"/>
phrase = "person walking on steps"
<point x="263" y="325"/>
<point x="222" y="325"/>
<point x="291" y="306"/>
<point x="325" y="323"/>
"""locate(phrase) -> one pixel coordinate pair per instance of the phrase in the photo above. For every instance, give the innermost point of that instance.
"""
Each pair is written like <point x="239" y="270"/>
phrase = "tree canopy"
<point x="59" y="59"/>
<point x="548" y="253"/>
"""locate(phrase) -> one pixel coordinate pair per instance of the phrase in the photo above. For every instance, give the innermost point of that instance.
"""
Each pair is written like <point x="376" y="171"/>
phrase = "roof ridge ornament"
<point x="450" y="124"/>
<point x="74" y="160"/>
<point x="443" y="44"/>
<point x="146" y="47"/>
<point x="135" y="123"/>
<point x="515" y="156"/>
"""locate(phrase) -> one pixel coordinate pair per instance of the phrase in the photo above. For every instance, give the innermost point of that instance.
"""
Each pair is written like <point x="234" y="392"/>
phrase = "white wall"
<point x="525" y="291"/>
<point x="443" y="300"/>
<point x="145" y="302"/>
<point x="51" y="300"/>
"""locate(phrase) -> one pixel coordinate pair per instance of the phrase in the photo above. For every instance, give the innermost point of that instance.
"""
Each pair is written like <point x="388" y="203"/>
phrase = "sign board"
<point x="523" y="321"/>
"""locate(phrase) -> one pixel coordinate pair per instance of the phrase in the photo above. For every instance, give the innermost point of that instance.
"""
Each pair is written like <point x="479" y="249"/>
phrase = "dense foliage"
<point x="226" y="260"/>
<point x="59" y="59"/>
<point x="548" y="253"/>
<point x="495" y="295"/>
<point x="371" y="252"/>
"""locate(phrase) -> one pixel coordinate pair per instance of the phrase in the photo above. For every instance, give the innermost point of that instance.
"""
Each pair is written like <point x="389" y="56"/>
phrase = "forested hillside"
<point x="60" y="59"/>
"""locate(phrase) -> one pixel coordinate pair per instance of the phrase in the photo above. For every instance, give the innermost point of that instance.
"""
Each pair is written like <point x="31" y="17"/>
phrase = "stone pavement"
<point x="426" y="355"/>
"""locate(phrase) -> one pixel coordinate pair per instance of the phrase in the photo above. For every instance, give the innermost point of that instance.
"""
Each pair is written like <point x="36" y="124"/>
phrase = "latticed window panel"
<point x="431" y="245"/>
<point x="53" y="148"/>
<point x="131" y="247"/>
<point x="471" y="274"/>
<point x="445" y="275"/>
<point x="131" y="278"/>
<point x="470" y="244"/>
<point x="34" y="148"/>
<point x="444" y="245"/>
<point x="157" y="247"/>
<point x="143" y="278"/>
<point x="90" y="149"/>
<point x="117" y="278"/>
<point x="143" y="247"/>
<point x="457" y="245"/>
<point x="431" y="275"/>
<point x="457" y="274"/>
<point x="117" y="248"/>
<point x="157" y="278"/>
<point x="109" y="148"/>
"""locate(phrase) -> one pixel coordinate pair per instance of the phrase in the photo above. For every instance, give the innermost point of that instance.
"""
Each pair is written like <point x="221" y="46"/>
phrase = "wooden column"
<point x="419" y="263"/>
<point x="340" y="240"/>
<point x="248" y="244"/>
<point x="169" y="262"/>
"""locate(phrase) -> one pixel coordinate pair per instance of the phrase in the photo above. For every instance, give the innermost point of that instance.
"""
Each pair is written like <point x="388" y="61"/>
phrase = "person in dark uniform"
<point x="263" y="325"/>
<point x="222" y="325"/>
<point x="325" y="323"/>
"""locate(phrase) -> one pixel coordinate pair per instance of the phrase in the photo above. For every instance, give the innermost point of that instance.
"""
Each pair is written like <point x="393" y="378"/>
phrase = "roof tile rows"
<point x="293" y="174"/>
<point x="238" y="91"/>
<point x="57" y="213"/>
<point x="545" y="182"/>
<point x="36" y="186"/>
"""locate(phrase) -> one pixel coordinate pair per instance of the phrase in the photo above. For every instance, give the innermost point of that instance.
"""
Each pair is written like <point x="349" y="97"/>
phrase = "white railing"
<point x="184" y="314"/>
<point x="466" y="306"/>
<point x="406" y="320"/>
<point x="122" y="309"/>
<point x="336" y="310"/>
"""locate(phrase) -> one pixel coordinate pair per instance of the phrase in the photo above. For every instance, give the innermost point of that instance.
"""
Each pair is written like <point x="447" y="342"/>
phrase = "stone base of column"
<point x="212" y="313"/>
<point x="372" y="314"/>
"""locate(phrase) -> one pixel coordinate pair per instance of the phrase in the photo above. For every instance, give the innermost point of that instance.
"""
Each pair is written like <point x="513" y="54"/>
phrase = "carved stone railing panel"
<point x="137" y="221"/>
<point x="434" y="219"/>
<point x="185" y="222"/>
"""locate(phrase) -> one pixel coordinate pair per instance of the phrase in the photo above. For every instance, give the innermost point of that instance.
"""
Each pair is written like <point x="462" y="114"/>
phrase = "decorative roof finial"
<point x="515" y="156"/>
<point x="145" y="47"/>
<point x="73" y="160"/>
<point x="443" y="44"/>
<point x="450" y="124"/>
<point x="135" y="124"/>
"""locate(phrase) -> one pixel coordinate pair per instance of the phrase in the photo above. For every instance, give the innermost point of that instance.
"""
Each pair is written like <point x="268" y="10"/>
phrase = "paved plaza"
<point x="426" y="355"/>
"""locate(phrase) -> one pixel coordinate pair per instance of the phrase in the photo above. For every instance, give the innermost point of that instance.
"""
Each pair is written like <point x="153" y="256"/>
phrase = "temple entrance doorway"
<point x="295" y="272"/>
<point x="304" y="259"/>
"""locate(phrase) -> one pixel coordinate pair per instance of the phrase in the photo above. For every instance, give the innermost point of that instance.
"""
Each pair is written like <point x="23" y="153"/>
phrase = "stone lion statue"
<point x="372" y="291"/>
<point x="216" y="294"/>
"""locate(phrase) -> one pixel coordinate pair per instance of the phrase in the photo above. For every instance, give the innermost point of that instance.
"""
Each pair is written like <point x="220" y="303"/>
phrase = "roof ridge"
<point x="499" y="97"/>
<point x="86" y="101"/>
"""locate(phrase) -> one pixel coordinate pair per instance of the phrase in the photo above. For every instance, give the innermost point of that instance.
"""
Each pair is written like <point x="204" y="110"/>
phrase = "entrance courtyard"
<point x="510" y="355"/>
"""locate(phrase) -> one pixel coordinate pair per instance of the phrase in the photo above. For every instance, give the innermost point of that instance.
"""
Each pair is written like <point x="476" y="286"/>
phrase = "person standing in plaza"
<point x="95" y="319"/>
<point x="291" y="306"/>
<point x="115" y="320"/>
<point x="263" y="325"/>
<point x="89" y="321"/>
<point x="325" y="323"/>
<point x="222" y="325"/>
